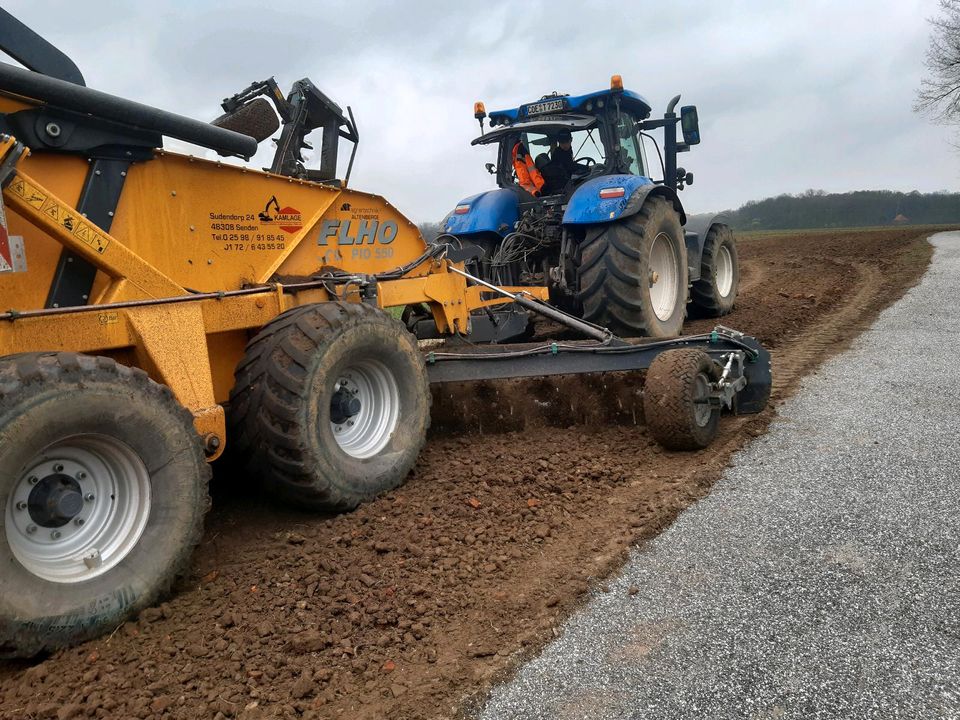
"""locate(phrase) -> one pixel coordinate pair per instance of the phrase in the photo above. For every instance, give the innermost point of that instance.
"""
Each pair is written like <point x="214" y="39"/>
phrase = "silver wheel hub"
<point x="664" y="277"/>
<point x="365" y="408"/>
<point x="724" y="271"/>
<point x="701" y="408"/>
<point x="79" y="508"/>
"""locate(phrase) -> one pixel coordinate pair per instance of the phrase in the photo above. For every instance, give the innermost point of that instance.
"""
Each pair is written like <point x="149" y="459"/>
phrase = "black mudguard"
<point x="639" y="196"/>
<point x="695" y="230"/>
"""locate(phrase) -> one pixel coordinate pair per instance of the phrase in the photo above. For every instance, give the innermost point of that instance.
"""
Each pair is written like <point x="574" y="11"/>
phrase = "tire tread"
<point x="17" y="374"/>
<point x="265" y="401"/>
<point x="611" y="285"/>
<point x="668" y="399"/>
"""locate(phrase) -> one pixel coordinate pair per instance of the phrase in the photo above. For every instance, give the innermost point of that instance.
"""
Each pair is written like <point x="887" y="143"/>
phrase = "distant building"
<point x="901" y="219"/>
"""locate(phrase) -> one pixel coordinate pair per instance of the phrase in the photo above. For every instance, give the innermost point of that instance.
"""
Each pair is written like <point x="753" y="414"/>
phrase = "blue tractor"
<point x="577" y="209"/>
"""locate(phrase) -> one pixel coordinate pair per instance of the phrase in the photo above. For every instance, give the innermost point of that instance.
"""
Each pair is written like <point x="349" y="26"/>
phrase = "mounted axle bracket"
<point x="731" y="381"/>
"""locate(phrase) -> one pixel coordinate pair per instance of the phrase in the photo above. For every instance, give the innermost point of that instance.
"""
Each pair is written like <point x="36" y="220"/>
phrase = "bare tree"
<point x="939" y="93"/>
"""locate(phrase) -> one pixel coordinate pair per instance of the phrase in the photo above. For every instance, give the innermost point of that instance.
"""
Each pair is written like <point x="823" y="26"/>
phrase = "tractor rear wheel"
<point x="331" y="405"/>
<point x="676" y="404"/>
<point x="633" y="273"/>
<point x="103" y="491"/>
<point x="716" y="291"/>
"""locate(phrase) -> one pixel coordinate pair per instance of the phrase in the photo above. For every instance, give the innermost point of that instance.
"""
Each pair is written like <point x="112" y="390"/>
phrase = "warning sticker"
<point x="28" y="192"/>
<point x="63" y="215"/>
<point x="6" y="257"/>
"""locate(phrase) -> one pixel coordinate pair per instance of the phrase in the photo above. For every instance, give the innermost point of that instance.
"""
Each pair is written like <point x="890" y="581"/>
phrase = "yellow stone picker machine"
<point x="157" y="309"/>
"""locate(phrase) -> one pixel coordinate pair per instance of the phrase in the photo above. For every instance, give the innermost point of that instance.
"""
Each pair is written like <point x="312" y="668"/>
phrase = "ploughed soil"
<point x="526" y="497"/>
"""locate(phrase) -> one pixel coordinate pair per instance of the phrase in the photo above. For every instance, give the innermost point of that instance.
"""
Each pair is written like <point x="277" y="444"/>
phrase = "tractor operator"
<point x="558" y="167"/>
<point x="562" y="154"/>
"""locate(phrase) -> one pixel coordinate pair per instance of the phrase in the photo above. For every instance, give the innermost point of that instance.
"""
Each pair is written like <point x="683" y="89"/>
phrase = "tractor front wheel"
<point x="633" y="273"/>
<point x="103" y="491"/>
<point x="331" y="405"/>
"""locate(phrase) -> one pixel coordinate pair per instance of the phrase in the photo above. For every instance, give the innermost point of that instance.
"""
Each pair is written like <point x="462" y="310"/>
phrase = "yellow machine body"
<point x="201" y="255"/>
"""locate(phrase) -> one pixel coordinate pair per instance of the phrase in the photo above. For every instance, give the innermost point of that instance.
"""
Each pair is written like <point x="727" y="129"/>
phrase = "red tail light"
<point x="613" y="192"/>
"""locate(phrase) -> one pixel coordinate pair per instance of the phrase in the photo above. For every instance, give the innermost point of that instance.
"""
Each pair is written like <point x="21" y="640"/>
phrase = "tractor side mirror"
<point x="491" y="168"/>
<point x="690" y="124"/>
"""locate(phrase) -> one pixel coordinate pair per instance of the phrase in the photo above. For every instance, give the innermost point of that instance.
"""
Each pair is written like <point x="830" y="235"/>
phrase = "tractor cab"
<point x="606" y="165"/>
<point x="602" y="127"/>
<point x="578" y="208"/>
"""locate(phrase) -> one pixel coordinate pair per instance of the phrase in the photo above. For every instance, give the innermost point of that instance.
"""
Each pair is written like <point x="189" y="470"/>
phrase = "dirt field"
<point x="411" y="606"/>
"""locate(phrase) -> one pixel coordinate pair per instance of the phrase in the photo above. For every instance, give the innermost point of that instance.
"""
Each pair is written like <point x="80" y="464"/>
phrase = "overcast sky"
<point x="791" y="95"/>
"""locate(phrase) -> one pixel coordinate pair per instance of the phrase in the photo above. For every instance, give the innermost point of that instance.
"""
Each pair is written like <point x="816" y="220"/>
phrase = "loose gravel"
<point x="819" y="579"/>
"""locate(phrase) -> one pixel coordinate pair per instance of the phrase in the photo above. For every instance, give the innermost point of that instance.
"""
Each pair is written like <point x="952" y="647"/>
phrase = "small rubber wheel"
<point x="676" y="399"/>
<point x="331" y="405"/>
<point x="103" y="491"/>
<point x="715" y="293"/>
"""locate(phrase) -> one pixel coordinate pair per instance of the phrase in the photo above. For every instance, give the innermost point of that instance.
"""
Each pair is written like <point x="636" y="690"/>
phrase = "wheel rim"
<point x="365" y="408"/>
<point x="664" y="276"/>
<point x="701" y="405"/>
<point x="79" y="509"/>
<point x="724" y="271"/>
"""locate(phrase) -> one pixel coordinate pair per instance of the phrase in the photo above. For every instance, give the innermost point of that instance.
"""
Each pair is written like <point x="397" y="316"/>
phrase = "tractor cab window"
<point x="586" y="147"/>
<point x="630" y="157"/>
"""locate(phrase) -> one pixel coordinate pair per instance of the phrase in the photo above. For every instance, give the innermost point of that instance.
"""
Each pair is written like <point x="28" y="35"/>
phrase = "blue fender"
<point x="494" y="211"/>
<point x="586" y="207"/>
<point x="696" y="230"/>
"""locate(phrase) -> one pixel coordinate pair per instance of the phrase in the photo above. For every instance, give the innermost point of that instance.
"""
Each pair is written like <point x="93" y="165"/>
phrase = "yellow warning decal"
<point x="28" y="192"/>
<point x="91" y="237"/>
<point x="65" y="217"/>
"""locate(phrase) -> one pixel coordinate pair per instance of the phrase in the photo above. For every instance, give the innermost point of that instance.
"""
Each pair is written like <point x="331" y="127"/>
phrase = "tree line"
<point x="819" y="209"/>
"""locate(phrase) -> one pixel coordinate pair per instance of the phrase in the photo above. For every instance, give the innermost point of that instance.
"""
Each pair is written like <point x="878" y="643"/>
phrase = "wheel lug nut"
<point x="21" y="506"/>
<point x="32" y="480"/>
<point x="79" y="522"/>
<point x="88" y="497"/>
<point x="31" y="529"/>
<point x="58" y="468"/>
<point x="55" y="535"/>
<point x="81" y="475"/>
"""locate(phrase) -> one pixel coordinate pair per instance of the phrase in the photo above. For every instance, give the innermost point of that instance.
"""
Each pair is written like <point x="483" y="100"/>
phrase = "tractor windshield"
<point x="587" y="146"/>
<point x="559" y="163"/>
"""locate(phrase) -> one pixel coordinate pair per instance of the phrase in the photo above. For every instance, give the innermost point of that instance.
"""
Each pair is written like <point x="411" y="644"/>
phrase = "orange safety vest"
<point x="528" y="176"/>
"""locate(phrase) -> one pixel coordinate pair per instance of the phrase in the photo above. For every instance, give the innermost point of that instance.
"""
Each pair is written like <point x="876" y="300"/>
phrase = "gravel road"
<point x="819" y="579"/>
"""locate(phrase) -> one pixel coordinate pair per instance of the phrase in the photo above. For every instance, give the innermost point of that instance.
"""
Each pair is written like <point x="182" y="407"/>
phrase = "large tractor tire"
<point x="103" y="491"/>
<point x="331" y="405"/>
<point x="675" y="399"/>
<point x="633" y="273"/>
<point x="715" y="293"/>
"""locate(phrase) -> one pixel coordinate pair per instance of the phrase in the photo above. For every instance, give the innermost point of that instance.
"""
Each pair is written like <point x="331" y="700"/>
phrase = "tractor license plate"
<point x="546" y="107"/>
<point x="12" y="257"/>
